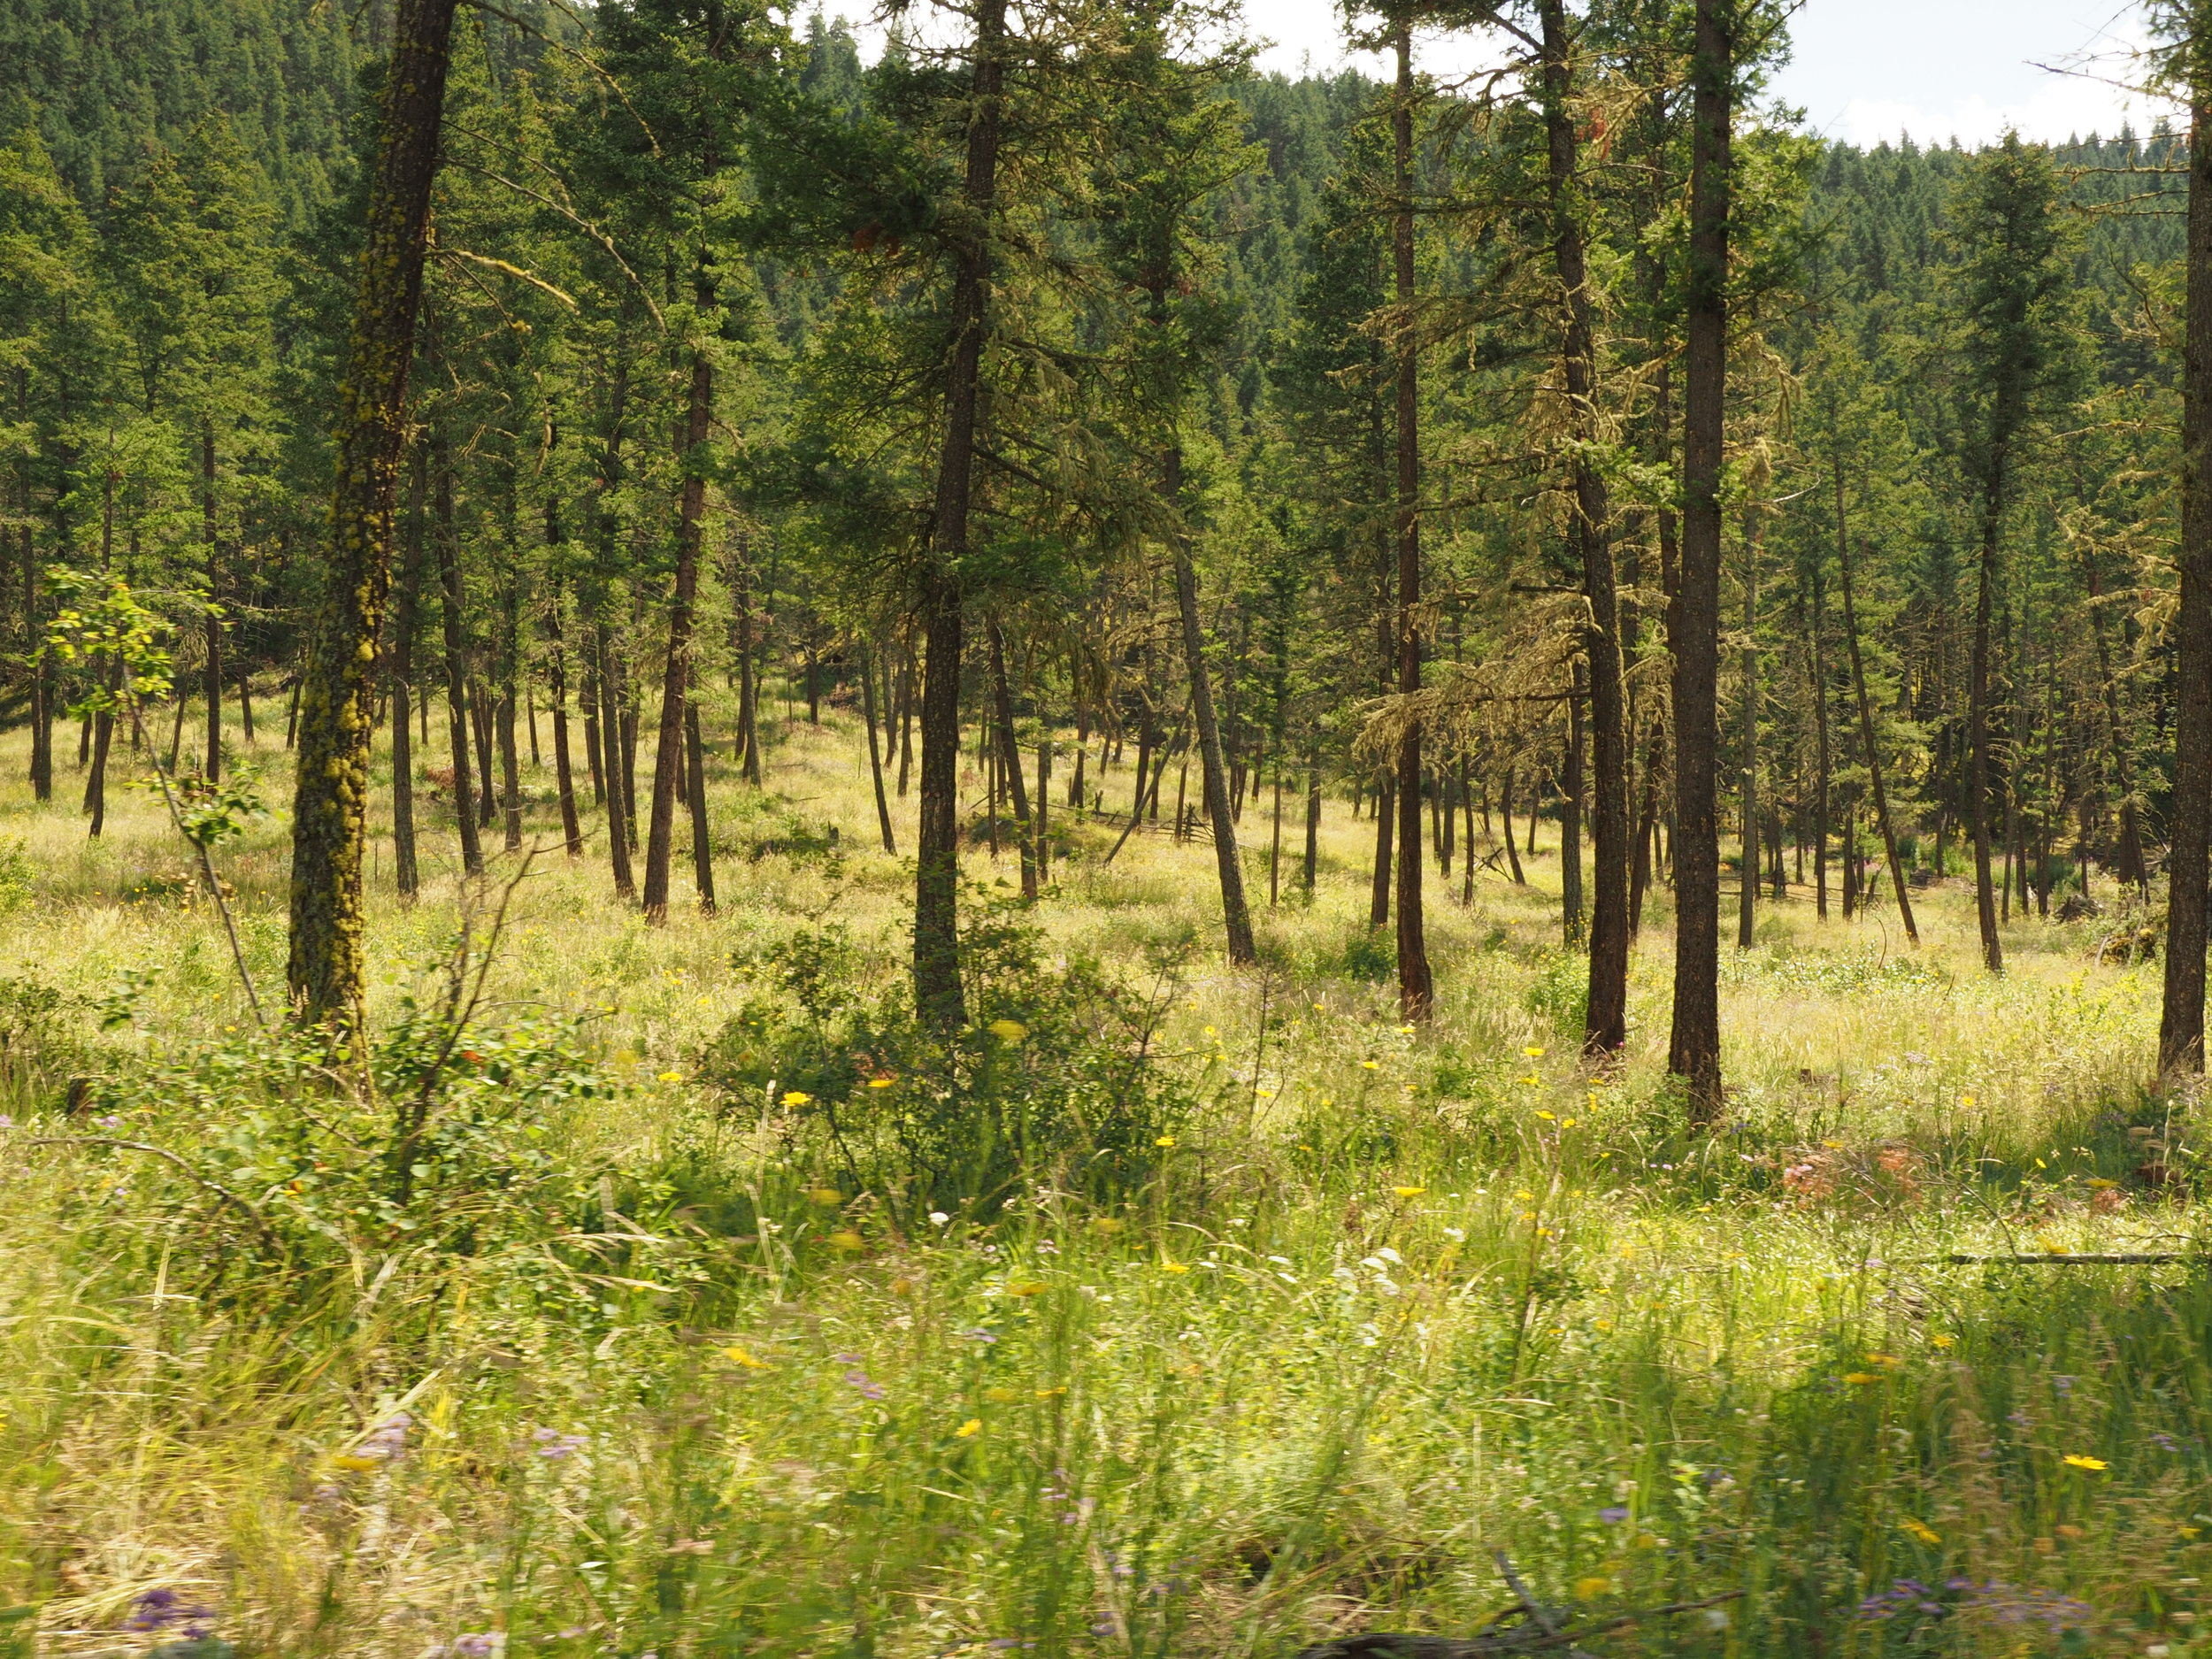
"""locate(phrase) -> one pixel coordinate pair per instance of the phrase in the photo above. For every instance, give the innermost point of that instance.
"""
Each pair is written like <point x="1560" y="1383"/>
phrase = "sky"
<point x="1866" y="70"/>
<point x="1861" y="69"/>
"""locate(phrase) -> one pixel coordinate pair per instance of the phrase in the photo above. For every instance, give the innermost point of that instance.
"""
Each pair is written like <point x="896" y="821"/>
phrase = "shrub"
<point x="1370" y="955"/>
<point x="1561" y="992"/>
<point x="1052" y="1078"/>
<point x="15" y="874"/>
<point x="282" y="1171"/>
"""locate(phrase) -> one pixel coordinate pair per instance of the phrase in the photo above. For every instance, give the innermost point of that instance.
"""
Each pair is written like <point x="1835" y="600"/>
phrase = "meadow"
<point x="660" y="1307"/>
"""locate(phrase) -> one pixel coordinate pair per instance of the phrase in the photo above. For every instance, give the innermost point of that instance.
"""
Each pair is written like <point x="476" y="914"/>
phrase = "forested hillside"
<point x="1043" y="845"/>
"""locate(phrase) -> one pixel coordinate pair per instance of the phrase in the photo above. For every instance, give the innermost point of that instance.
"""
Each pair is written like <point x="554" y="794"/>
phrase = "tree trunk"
<point x="1505" y="810"/>
<point x="1866" y="715"/>
<point x="1646" y="832"/>
<point x="588" y="699"/>
<point x="909" y="668"/>
<point x="1235" y="917"/>
<point x="625" y="697"/>
<point x="1977" y="735"/>
<point x="619" y="837"/>
<point x="1747" y="857"/>
<point x="1007" y="752"/>
<point x="748" y="680"/>
<point x="41" y="679"/>
<point x="2128" y="854"/>
<point x="1041" y="839"/>
<point x="938" y="997"/>
<point x="1310" y="868"/>
<point x="557" y="668"/>
<point x="2181" y="1023"/>
<point x="1694" y="619"/>
<point x="1416" y="989"/>
<point x="480" y="726"/>
<point x="211" y="670"/>
<point x="456" y="677"/>
<point x="330" y="806"/>
<point x="1822" y="760"/>
<point x="509" y="762"/>
<point x="695" y="799"/>
<point x="1573" y="919"/>
<point x="406" y="621"/>
<point x="110" y="672"/>
<point x="1275" y="839"/>
<point x="1386" y="832"/>
<point x="1082" y="749"/>
<point x="676" y="679"/>
<point x="875" y="756"/>
<point x="1605" y="1027"/>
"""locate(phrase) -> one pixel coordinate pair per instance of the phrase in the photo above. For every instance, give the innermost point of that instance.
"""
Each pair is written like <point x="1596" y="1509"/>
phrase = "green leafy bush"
<point x="15" y="875"/>
<point x="1053" y="1078"/>
<point x="282" y="1171"/>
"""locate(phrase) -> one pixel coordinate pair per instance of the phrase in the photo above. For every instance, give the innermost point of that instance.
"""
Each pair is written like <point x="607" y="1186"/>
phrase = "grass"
<point x="1390" y="1301"/>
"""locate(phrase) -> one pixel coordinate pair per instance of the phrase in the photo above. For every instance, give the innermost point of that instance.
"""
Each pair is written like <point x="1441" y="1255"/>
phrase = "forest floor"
<point x="1355" y="1308"/>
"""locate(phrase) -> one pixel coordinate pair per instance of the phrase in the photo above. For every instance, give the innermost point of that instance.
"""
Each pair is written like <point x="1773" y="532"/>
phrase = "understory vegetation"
<point x="667" y="1290"/>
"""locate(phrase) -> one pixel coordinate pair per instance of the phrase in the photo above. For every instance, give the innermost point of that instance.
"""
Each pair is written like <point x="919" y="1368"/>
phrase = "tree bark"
<point x="42" y="677"/>
<point x="695" y="799"/>
<point x="1417" y="988"/>
<point x="1866" y="715"/>
<point x="1605" y="1028"/>
<point x="875" y="756"/>
<point x="1573" y="918"/>
<point x="1822" y="761"/>
<point x="211" y="670"/>
<point x="1310" y="867"/>
<point x="676" y="679"/>
<point x="509" y="667"/>
<point x="2181" y="1022"/>
<point x="1236" y="919"/>
<point x="2128" y="860"/>
<point x="406" y="621"/>
<point x="1694" y="617"/>
<point x="557" y="668"/>
<point x="1505" y="810"/>
<point x="938" y="996"/>
<point x="1977" y="735"/>
<point x="618" y="839"/>
<point x="1010" y="757"/>
<point x="1747" y="857"/>
<point x="330" y="805"/>
<point x="455" y="658"/>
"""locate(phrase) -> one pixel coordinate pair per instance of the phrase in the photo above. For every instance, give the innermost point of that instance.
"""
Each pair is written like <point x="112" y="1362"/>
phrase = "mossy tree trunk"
<point x="337" y="702"/>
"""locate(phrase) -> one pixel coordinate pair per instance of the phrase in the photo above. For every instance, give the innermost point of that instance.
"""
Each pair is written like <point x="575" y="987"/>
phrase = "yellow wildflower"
<point x="969" y="1430"/>
<point x="2074" y="1460"/>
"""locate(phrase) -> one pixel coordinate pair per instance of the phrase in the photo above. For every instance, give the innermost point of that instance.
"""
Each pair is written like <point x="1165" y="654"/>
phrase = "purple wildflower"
<point x="1614" y="1515"/>
<point x="860" y="1380"/>
<point x="162" y="1608"/>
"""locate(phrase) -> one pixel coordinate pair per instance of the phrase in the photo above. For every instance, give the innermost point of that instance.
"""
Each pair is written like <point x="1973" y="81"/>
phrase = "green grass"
<point x="1389" y="1302"/>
